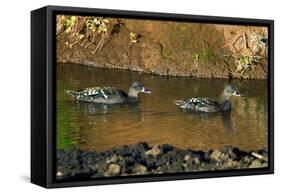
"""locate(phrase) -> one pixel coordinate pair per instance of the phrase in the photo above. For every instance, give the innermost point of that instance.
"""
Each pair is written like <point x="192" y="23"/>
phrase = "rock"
<point x="113" y="159"/>
<point x="139" y="169"/>
<point x="113" y="170"/>
<point x="143" y="159"/>
<point x="167" y="148"/>
<point x="176" y="167"/>
<point x="187" y="157"/>
<point x="256" y="164"/>
<point x="130" y="161"/>
<point x="259" y="156"/>
<point x="61" y="154"/>
<point x="150" y="163"/>
<point x="229" y="163"/>
<point x="143" y="146"/>
<point x="196" y="161"/>
<point x="154" y="151"/>
<point x="59" y="174"/>
<point x="217" y="155"/>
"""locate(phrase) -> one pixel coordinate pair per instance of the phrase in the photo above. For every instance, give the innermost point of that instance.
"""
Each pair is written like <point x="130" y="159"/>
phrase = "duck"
<point x="208" y="104"/>
<point x="108" y="94"/>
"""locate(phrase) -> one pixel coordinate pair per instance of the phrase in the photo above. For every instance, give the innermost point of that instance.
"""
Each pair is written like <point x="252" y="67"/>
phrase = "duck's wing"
<point x="208" y="105"/>
<point x="199" y="104"/>
<point x="100" y="92"/>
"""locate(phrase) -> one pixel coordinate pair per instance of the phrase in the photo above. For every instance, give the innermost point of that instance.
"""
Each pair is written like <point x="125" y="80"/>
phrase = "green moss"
<point x="207" y="55"/>
<point x="179" y="30"/>
<point x="167" y="52"/>
<point x="246" y="63"/>
<point x="174" y="34"/>
<point x="184" y="27"/>
<point x="195" y="57"/>
<point x="184" y="44"/>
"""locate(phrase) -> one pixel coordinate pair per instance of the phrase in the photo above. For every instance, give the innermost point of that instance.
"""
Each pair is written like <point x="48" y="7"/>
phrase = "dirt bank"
<point x="164" y="48"/>
<point x="144" y="159"/>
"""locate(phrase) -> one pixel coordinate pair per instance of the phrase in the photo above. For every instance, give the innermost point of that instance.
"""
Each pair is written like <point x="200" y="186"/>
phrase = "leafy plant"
<point x="69" y="23"/>
<point x="246" y="62"/>
<point x="65" y="24"/>
<point x="259" y="42"/>
<point x="133" y="37"/>
<point x="99" y="28"/>
<point x="84" y="30"/>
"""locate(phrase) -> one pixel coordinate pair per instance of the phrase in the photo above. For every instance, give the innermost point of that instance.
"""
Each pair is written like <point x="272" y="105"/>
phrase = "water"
<point x="156" y="119"/>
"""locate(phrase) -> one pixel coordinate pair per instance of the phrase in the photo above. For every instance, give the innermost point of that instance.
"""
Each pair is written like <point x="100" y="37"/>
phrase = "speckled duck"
<point x="208" y="104"/>
<point x="109" y="95"/>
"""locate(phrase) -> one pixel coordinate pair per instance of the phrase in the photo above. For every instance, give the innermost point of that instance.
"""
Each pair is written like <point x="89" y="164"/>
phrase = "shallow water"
<point x="156" y="119"/>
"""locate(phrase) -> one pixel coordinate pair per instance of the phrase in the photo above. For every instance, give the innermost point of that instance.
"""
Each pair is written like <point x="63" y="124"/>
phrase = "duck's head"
<point x="230" y="90"/>
<point x="137" y="88"/>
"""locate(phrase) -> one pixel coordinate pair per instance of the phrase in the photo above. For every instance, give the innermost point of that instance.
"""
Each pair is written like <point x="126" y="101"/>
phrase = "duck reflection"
<point x="97" y="108"/>
<point x="203" y="116"/>
<point x="227" y="121"/>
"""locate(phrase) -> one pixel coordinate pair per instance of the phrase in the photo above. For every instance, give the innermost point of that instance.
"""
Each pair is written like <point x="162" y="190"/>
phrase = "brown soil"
<point x="174" y="49"/>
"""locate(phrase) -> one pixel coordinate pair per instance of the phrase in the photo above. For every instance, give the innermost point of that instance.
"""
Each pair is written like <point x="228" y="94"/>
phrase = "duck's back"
<point x="199" y="104"/>
<point x="105" y="95"/>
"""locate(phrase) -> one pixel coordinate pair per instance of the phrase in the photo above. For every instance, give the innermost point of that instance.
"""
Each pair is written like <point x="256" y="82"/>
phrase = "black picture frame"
<point x="43" y="95"/>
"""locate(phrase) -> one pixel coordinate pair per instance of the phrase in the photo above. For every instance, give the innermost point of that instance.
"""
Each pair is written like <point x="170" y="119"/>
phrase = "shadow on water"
<point x="225" y="117"/>
<point x="156" y="119"/>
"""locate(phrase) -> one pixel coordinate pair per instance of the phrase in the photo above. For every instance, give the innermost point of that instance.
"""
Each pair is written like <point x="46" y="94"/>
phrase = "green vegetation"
<point x="84" y="31"/>
<point x="246" y="63"/>
<point x="167" y="52"/>
<point x="69" y="23"/>
<point x="260" y="43"/>
<point x="64" y="140"/>
<point x="65" y="127"/>
<point x="133" y="37"/>
<point x="184" y="44"/>
<point x="184" y="27"/>
<point x="204" y="57"/>
<point x="185" y="48"/>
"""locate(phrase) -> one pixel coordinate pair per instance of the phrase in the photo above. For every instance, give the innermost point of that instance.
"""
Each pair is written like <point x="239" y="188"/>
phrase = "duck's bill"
<point x="236" y="93"/>
<point x="145" y="90"/>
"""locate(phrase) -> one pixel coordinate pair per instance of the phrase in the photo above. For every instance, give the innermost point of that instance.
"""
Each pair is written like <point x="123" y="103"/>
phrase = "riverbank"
<point x="165" y="48"/>
<point x="142" y="158"/>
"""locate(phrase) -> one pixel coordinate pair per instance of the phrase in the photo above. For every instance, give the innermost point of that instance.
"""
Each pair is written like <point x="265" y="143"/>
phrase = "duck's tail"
<point x="71" y="92"/>
<point x="177" y="102"/>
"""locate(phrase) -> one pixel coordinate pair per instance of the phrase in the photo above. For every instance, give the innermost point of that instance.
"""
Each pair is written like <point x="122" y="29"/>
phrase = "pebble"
<point x="154" y="151"/>
<point x="139" y="169"/>
<point x="113" y="170"/>
<point x="256" y="164"/>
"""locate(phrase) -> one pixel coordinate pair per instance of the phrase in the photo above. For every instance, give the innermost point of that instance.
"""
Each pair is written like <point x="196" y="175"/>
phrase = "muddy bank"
<point x="144" y="159"/>
<point x="164" y="47"/>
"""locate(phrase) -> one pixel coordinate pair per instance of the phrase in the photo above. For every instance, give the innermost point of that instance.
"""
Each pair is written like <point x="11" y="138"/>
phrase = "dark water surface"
<point x="156" y="119"/>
